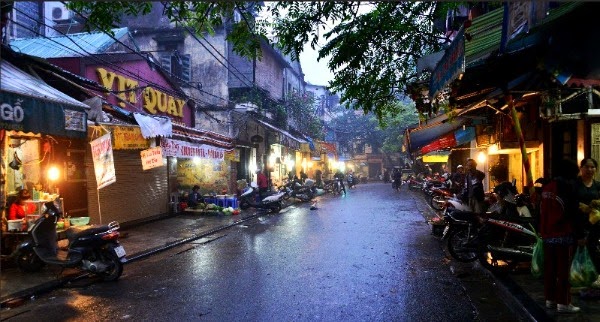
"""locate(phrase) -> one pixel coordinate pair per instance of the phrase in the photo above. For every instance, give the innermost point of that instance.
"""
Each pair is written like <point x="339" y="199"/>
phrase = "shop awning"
<point x="196" y="136"/>
<point x="30" y="105"/>
<point x="286" y="138"/>
<point x="423" y="136"/>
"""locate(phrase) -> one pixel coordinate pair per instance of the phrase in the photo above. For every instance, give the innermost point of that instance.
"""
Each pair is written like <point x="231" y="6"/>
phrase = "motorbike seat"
<point x="463" y="215"/>
<point x="75" y="232"/>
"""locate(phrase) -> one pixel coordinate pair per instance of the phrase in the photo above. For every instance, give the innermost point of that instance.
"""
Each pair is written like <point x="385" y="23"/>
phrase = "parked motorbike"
<point x="500" y="239"/>
<point x="461" y="228"/>
<point x="91" y="249"/>
<point x="413" y="183"/>
<point x="271" y="202"/>
<point x="302" y="192"/>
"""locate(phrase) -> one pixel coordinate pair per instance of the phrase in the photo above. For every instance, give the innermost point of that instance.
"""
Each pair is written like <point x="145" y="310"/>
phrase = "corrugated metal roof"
<point x="72" y="45"/>
<point x="486" y="32"/>
<point x="14" y="80"/>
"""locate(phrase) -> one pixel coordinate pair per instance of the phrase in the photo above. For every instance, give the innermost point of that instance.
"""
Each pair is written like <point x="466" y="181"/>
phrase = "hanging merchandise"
<point x="15" y="164"/>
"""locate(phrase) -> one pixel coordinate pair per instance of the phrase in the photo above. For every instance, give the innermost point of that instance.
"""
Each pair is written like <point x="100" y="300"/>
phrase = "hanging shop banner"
<point x="152" y="158"/>
<point x="129" y="138"/>
<point x="436" y="157"/>
<point x="181" y="149"/>
<point x="104" y="165"/>
<point x="444" y="142"/>
<point x="450" y="66"/>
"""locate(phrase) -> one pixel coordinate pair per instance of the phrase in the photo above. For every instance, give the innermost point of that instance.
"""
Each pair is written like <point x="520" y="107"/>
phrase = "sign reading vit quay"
<point x="104" y="165"/>
<point x="152" y="158"/>
<point x="181" y="149"/>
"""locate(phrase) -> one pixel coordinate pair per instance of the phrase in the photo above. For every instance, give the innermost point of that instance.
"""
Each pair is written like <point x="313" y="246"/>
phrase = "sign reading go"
<point x="154" y="100"/>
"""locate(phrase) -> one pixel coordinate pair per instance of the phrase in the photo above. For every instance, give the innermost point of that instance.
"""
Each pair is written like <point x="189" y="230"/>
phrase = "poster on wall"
<point x="152" y="158"/>
<point x="104" y="165"/>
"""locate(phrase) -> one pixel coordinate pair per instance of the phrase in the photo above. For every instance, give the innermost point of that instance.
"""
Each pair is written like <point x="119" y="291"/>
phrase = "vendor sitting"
<point x="19" y="209"/>
<point x="195" y="198"/>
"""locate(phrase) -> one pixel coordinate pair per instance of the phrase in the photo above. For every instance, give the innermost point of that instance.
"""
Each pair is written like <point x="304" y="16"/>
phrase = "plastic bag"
<point x="537" y="259"/>
<point x="582" y="272"/>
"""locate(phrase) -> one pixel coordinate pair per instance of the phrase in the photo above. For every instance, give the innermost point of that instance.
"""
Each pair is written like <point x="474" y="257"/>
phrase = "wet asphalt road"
<point x="368" y="256"/>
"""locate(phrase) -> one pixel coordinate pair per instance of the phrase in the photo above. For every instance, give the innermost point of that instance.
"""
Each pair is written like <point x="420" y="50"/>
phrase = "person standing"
<point x="303" y="176"/>
<point x="319" y="178"/>
<point x="474" y="187"/>
<point x="263" y="184"/>
<point x="588" y="189"/>
<point x="458" y="179"/>
<point x="561" y="229"/>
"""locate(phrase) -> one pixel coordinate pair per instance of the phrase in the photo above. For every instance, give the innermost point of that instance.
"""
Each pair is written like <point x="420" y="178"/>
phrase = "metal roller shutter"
<point x="137" y="195"/>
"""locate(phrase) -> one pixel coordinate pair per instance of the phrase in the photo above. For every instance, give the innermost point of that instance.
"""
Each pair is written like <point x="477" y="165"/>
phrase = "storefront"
<point x="42" y="133"/>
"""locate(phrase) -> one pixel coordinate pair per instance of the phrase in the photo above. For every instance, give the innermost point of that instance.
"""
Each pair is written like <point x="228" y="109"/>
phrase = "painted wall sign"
<point x="181" y="149"/>
<point x="154" y="100"/>
<point x="152" y="158"/>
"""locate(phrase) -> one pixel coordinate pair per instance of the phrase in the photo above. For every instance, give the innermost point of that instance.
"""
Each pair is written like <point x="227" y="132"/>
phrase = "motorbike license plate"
<point x="120" y="251"/>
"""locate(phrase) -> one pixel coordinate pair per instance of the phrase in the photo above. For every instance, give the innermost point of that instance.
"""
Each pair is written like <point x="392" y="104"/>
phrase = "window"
<point x="177" y="65"/>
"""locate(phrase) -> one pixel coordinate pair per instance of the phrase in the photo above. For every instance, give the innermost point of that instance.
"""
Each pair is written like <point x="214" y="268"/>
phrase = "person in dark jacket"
<point x="194" y="198"/>
<point x="561" y="228"/>
<point x="474" y="187"/>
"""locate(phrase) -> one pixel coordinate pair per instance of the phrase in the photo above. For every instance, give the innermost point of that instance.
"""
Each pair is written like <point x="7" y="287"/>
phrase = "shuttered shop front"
<point x="137" y="194"/>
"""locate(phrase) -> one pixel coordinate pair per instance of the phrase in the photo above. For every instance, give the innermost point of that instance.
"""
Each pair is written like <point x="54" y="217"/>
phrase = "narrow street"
<point x="368" y="256"/>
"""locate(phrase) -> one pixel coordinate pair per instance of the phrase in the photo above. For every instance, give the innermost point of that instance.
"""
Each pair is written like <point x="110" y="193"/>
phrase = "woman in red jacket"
<point x="19" y="209"/>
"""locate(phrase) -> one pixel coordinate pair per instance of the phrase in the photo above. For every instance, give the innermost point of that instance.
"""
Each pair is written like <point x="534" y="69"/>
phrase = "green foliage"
<point x="300" y="108"/>
<point x="373" y="46"/>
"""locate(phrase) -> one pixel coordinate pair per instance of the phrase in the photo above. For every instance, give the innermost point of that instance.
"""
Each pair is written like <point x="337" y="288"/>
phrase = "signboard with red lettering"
<point x="444" y="142"/>
<point x="104" y="165"/>
<point x="181" y="149"/>
<point x="152" y="158"/>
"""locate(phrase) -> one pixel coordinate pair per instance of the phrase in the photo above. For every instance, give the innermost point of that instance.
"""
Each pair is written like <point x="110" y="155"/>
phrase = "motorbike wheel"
<point x="458" y="246"/>
<point x="437" y="202"/>
<point x="28" y="261"/>
<point x="276" y="207"/>
<point x="116" y="267"/>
